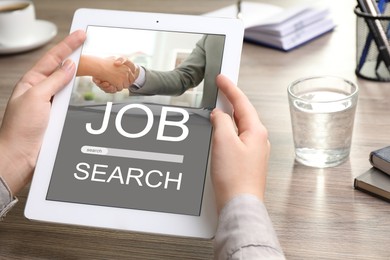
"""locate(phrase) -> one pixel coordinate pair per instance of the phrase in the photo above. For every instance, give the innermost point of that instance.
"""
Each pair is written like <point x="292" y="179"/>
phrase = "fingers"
<point x="132" y="74"/>
<point x="120" y="61"/>
<point x="105" y="86"/>
<point x="244" y="111"/>
<point x="96" y="81"/>
<point x="245" y="114"/>
<point x="124" y="61"/>
<point x="131" y="65"/>
<point x="54" y="57"/>
<point x="51" y="63"/>
<point x="60" y="78"/>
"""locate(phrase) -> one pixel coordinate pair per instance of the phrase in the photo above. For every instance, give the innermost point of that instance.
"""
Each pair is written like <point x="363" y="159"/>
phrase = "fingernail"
<point x="67" y="65"/>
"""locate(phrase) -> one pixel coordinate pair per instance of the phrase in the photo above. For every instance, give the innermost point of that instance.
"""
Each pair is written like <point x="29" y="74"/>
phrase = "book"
<point x="280" y="28"/>
<point x="380" y="159"/>
<point x="374" y="182"/>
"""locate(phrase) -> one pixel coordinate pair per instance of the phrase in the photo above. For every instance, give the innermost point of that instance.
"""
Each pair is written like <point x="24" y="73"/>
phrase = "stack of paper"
<point x="280" y="28"/>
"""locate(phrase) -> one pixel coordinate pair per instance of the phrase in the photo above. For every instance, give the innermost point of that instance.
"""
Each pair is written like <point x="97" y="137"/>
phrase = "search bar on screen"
<point x="105" y="151"/>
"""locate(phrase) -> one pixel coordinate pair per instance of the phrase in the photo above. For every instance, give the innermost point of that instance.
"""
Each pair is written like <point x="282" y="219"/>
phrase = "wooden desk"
<point x="316" y="212"/>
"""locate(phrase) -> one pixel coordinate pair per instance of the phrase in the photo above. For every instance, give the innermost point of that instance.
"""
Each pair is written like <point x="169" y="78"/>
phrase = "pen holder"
<point x="369" y="64"/>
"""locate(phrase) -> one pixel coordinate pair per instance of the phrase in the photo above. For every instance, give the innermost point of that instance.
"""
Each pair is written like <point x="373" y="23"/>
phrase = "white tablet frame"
<point x="203" y="226"/>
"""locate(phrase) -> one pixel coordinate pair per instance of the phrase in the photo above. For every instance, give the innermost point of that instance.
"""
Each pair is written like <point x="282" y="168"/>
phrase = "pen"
<point x="381" y="7"/>
<point x="376" y="32"/>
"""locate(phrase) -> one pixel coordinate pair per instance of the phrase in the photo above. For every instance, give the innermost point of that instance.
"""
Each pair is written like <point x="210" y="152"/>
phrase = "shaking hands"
<point x="109" y="74"/>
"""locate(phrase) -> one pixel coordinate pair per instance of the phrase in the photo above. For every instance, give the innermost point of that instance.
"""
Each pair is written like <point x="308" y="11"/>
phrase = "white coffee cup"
<point x="17" y="18"/>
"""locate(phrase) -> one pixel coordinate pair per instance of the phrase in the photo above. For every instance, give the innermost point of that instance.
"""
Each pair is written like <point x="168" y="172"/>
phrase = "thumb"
<point x="223" y="126"/>
<point x="120" y="61"/>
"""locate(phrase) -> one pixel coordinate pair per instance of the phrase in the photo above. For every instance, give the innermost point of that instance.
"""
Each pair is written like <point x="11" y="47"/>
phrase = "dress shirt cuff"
<point x="245" y="231"/>
<point x="7" y="201"/>
<point x="140" y="80"/>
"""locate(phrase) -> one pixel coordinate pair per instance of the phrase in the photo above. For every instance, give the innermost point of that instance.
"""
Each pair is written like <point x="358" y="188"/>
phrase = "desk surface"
<point x="316" y="212"/>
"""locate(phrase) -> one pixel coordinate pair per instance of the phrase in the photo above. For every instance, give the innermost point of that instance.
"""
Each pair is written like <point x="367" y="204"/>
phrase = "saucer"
<point x="41" y="34"/>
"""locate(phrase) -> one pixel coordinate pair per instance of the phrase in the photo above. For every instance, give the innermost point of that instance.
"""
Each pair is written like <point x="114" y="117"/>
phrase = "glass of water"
<point x="322" y="115"/>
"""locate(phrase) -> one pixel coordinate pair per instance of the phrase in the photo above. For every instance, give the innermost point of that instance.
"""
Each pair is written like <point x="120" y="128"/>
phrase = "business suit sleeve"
<point x="187" y="75"/>
<point x="245" y="231"/>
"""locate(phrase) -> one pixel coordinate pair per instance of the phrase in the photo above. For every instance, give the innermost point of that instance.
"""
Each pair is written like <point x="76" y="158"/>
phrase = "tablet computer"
<point x="137" y="159"/>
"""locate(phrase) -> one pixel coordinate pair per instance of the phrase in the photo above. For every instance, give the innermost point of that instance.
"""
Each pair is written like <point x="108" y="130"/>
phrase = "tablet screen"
<point x="145" y="147"/>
